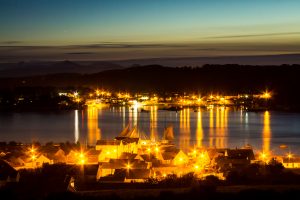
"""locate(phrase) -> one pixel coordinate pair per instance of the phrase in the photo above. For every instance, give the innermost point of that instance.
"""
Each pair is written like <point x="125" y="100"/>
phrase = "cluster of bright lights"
<point x="101" y="92"/>
<point x="81" y="158"/>
<point x="32" y="152"/>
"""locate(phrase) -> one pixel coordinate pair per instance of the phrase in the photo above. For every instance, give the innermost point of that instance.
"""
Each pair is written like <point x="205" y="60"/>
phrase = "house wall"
<point x="291" y="165"/>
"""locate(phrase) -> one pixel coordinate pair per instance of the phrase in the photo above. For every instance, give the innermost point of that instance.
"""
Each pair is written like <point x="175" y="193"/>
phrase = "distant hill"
<point x="23" y="69"/>
<point x="35" y="68"/>
<point x="223" y="79"/>
<point x="155" y="77"/>
<point x="223" y="60"/>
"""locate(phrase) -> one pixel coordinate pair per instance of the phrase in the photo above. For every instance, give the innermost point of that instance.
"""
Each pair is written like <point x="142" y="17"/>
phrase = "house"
<point x="90" y="172"/>
<point x="293" y="162"/>
<point x="235" y="158"/>
<point x="113" y="178"/>
<point x="162" y="170"/>
<point x="72" y="157"/>
<point x="8" y="174"/>
<point x="136" y="175"/>
<point x="177" y="157"/>
<point x="126" y="176"/>
<point x="60" y="156"/>
<point x="42" y="160"/>
<point x="16" y="162"/>
<point x="109" y="149"/>
<point x="93" y="156"/>
<point x="109" y="168"/>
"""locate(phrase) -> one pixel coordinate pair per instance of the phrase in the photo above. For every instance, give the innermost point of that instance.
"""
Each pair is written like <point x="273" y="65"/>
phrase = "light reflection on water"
<point x="217" y="127"/>
<point x="266" y="133"/>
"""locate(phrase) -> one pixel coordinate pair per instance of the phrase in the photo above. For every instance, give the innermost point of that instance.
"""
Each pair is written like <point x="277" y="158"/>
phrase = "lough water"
<point x="218" y="127"/>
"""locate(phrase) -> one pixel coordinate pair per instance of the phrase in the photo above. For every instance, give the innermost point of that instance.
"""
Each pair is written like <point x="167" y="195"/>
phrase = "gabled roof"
<point x="168" y="133"/>
<point x="130" y="140"/>
<point x="129" y="156"/>
<point x="93" y="152"/>
<point x="240" y="154"/>
<point x="16" y="161"/>
<point x="108" y="142"/>
<point x="126" y="133"/>
<point x="169" y="155"/>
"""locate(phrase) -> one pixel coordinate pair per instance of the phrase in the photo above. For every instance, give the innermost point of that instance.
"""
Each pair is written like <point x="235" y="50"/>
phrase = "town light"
<point x="264" y="156"/>
<point x="196" y="167"/>
<point x="156" y="149"/>
<point x="97" y="92"/>
<point x="33" y="157"/>
<point x="32" y="150"/>
<point x="290" y="155"/>
<point x="266" y="95"/>
<point x="128" y="166"/>
<point x="194" y="152"/>
<point x="82" y="161"/>
<point x="81" y="158"/>
<point x="202" y="155"/>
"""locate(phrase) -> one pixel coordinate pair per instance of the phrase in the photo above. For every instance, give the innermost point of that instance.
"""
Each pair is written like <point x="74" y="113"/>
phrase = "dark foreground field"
<point x="196" y="192"/>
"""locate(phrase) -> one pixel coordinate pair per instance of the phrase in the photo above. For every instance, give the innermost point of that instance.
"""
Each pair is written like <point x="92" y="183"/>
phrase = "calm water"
<point x="216" y="127"/>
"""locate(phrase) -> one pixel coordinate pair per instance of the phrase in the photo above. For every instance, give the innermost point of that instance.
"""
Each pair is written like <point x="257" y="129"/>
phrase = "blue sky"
<point x="209" y="24"/>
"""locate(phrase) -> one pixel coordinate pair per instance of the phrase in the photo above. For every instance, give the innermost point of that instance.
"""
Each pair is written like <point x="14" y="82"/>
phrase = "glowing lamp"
<point x="33" y="157"/>
<point x="128" y="166"/>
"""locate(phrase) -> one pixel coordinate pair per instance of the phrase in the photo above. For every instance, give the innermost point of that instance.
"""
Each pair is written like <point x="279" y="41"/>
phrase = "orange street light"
<point x="128" y="166"/>
<point x="156" y="149"/>
<point x="266" y="95"/>
<point x="33" y="157"/>
<point x="264" y="156"/>
<point x="195" y="152"/>
<point x="82" y="161"/>
<point x="202" y="155"/>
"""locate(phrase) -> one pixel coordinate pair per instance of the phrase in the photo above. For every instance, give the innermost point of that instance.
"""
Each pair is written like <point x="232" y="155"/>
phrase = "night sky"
<point x="129" y="29"/>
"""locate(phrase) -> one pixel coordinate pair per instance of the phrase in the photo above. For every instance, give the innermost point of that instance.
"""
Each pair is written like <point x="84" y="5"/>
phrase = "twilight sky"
<point x="129" y="29"/>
